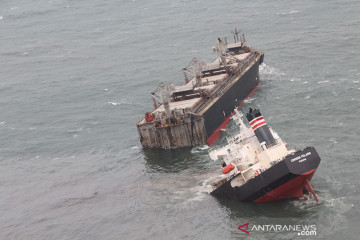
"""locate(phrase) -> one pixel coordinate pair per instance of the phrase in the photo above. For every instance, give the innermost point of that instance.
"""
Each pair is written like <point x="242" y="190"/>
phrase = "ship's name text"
<point x="301" y="158"/>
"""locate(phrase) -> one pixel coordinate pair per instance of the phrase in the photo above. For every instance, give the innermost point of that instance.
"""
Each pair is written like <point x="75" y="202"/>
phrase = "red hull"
<point x="291" y="189"/>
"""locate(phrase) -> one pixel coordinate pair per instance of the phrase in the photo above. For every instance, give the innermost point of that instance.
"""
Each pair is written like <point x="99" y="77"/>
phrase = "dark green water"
<point x="76" y="77"/>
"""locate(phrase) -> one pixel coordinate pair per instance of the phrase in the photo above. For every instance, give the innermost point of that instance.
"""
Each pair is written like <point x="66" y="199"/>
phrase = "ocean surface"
<point x="75" y="77"/>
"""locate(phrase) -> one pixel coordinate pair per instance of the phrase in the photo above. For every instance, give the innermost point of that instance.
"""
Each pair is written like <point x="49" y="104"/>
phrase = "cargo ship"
<point x="258" y="167"/>
<point x="193" y="114"/>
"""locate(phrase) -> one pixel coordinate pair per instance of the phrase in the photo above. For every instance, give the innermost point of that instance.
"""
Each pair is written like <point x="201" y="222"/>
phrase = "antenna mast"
<point x="236" y="35"/>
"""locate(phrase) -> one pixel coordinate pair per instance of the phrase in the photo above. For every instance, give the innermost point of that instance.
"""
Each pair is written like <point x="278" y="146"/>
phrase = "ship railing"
<point x="223" y="86"/>
<point x="158" y="124"/>
<point x="210" y="67"/>
<point x="243" y="66"/>
<point x="277" y="142"/>
<point x="248" y="60"/>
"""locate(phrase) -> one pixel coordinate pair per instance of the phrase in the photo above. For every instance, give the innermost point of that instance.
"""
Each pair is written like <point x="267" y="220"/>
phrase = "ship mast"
<point x="221" y="50"/>
<point x="165" y="97"/>
<point x="238" y="38"/>
<point x="197" y="70"/>
<point x="236" y="35"/>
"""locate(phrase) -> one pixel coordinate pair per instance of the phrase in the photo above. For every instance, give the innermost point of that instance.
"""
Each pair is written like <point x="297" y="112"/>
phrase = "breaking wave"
<point x="268" y="70"/>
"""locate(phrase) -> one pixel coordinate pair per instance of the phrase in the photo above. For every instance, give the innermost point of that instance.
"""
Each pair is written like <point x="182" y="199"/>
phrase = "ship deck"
<point x="190" y="103"/>
<point x="188" y="96"/>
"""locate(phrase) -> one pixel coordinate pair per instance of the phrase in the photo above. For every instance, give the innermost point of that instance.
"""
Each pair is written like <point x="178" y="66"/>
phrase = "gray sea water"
<point x="75" y="77"/>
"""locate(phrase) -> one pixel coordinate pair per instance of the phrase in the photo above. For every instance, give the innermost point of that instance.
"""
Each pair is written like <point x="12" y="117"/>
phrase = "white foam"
<point x="203" y="147"/>
<point x="121" y="102"/>
<point x="265" y="69"/>
<point x="304" y="203"/>
<point x="199" y="149"/>
<point x="307" y="97"/>
<point x="1" y="17"/>
<point x="249" y="100"/>
<point x="113" y="103"/>
<point x="323" y="81"/>
<point x="207" y="183"/>
<point x="286" y="13"/>
<point x="75" y="130"/>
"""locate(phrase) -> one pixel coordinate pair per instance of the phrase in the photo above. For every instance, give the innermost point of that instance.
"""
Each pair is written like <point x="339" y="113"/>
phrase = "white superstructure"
<point x="246" y="155"/>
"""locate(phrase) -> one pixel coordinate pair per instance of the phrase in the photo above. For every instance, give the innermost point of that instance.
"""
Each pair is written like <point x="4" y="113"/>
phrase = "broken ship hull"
<point x="203" y="127"/>
<point x="286" y="179"/>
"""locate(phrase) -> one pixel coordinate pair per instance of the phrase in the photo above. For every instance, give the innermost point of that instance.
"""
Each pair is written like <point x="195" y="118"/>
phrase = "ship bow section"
<point x="218" y="114"/>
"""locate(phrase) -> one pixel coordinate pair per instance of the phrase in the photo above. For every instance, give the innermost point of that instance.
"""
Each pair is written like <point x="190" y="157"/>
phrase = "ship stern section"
<point x="286" y="179"/>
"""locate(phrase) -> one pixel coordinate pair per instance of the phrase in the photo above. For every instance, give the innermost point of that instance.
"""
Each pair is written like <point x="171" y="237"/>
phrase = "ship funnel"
<point x="260" y="127"/>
